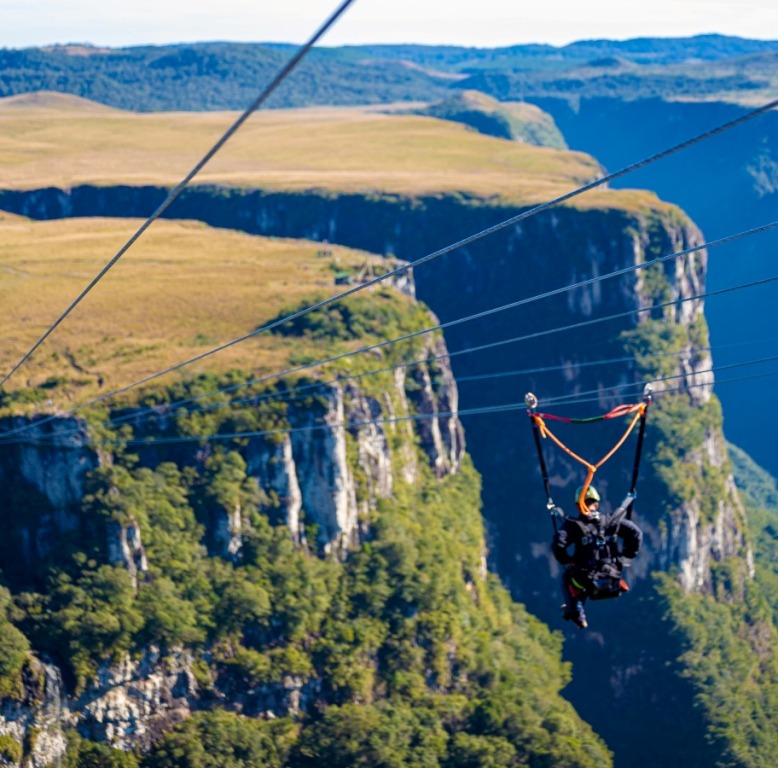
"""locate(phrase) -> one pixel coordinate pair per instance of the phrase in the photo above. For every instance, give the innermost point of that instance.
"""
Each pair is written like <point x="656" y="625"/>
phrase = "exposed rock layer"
<point x="305" y="475"/>
<point x="559" y="247"/>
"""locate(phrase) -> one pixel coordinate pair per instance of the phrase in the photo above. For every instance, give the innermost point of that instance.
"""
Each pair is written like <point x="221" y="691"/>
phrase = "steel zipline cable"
<point x="686" y="353"/>
<point x="283" y="73"/>
<point x="539" y="334"/>
<point x="441" y="326"/>
<point x="466" y="412"/>
<point x="304" y="390"/>
<point x="295" y="393"/>
<point x="567" y="399"/>
<point x="423" y="260"/>
<point x="675" y="390"/>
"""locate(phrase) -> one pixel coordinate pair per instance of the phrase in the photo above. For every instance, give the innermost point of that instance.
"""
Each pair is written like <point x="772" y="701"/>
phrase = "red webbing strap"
<point x="619" y="410"/>
<point x="551" y="417"/>
<point x="623" y="410"/>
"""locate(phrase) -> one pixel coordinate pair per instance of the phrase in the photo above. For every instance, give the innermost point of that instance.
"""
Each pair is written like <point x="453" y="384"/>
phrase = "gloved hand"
<point x="625" y="562"/>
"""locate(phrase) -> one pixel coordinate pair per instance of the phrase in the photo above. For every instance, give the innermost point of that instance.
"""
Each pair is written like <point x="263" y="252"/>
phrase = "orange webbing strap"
<point x="618" y="445"/>
<point x="592" y="468"/>
<point x="623" y="410"/>
<point x="546" y="432"/>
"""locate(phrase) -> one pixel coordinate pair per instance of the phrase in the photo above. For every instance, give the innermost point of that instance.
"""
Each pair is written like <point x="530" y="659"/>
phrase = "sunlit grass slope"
<point x="182" y="289"/>
<point x="55" y="140"/>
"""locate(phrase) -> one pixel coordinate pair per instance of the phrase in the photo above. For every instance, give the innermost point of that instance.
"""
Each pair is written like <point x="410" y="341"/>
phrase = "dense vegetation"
<point x="207" y="76"/>
<point x="730" y="637"/>
<point x="212" y="76"/>
<point x="615" y="78"/>
<point x="727" y="635"/>
<point x="363" y="316"/>
<point x="405" y="622"/>
<point x="413" y="655"/>
<point x="759" y="492"/>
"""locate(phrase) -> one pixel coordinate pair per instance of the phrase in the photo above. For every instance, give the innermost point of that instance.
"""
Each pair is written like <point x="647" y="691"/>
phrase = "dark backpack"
<point x="597" y="556"/>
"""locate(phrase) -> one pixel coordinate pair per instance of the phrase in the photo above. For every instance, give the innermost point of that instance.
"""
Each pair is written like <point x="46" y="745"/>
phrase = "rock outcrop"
<point x="337" y="460"/>
<point x="311" y="478"/>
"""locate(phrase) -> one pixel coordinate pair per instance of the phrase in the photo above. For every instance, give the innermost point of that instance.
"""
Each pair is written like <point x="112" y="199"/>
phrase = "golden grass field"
<point x="185" y="288"/>
<point x="182" y="289"/>
<point x="64" y="141"/>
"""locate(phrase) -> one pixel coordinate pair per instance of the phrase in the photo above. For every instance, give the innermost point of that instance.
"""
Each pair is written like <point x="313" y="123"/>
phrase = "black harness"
<point x="597" y="557"/>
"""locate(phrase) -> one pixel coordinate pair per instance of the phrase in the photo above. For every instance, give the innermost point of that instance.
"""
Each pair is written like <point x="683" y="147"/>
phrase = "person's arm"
<point x="631" y="537"/>
<point x="562" y="540"/>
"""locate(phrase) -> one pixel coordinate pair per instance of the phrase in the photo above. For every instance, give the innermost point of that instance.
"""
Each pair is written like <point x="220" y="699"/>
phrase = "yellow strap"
<point x="623" y="437"/>
<point x="546" y="432"/>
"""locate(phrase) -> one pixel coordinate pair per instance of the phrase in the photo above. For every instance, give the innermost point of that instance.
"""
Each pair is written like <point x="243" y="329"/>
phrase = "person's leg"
<point x="574" y="597"/>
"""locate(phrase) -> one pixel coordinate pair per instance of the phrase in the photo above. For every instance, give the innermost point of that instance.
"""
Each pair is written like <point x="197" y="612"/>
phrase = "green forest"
<point x="429" y="633"/>
<point x="411" y="652"/>
<point x="217" y="76"/>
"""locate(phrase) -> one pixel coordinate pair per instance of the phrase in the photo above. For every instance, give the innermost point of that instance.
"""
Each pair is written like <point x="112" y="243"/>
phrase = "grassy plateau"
<point x="183" y="289"/>
<point x="57" y="140"/>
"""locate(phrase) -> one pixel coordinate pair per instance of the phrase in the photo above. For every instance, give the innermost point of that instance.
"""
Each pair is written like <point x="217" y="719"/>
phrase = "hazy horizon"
<point x="489" y="24"/>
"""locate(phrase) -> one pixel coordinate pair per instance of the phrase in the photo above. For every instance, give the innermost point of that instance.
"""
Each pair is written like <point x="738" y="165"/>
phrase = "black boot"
<point x="575" y="612"/>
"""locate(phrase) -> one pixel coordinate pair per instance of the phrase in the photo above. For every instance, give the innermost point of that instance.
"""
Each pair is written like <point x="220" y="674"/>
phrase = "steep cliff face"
<point x="726" y="184"/>
<point x="341" y="456"/>
<point x="692" y="541"/>
<point x="38" y="720"/>
<point x="541" y="253"/>
<point x="307" y="470"/>
<point x="687" y="504"/>
<point x="699" y="531"/>
<point x="55" y="478"/>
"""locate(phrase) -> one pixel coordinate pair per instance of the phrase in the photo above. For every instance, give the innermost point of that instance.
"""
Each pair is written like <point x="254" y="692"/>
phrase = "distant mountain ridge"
<point x="646" y="50"/>
<point x="216" y="76"/>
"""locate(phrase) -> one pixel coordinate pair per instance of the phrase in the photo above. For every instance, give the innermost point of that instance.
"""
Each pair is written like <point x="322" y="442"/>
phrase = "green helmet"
<point x="591" y="493"/>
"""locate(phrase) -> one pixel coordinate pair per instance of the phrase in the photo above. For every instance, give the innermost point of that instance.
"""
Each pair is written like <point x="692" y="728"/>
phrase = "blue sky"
<point x="459" y="22"/>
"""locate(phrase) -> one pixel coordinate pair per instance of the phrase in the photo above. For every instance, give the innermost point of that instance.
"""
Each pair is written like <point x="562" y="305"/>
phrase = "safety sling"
<point x="540" y="429"/>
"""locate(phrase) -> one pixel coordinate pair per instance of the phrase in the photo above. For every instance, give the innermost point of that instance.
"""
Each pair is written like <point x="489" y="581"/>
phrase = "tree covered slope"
<point x="404" y="639"/>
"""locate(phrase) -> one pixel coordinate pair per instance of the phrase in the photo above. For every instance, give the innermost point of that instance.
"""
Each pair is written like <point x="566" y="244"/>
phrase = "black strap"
<point x="543" y="470"/>
<point x="639" y="451"/>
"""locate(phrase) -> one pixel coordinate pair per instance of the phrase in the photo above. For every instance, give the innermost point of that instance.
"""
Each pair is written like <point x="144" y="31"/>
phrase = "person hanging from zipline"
<point x="595" y="548"/>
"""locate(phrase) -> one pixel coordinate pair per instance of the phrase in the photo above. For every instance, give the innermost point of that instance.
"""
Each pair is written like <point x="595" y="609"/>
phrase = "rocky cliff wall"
<point x="544" y="252"/>
<point x="322" y="473"/>
<point x="687" y="504"/>
<point x="726" y="184"/>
